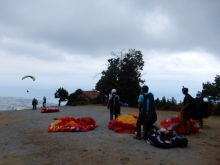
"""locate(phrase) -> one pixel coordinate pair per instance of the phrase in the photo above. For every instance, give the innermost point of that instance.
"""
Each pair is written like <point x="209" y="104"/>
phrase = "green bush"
<point x="79" y="101"/>
<point x="96" y="100"/>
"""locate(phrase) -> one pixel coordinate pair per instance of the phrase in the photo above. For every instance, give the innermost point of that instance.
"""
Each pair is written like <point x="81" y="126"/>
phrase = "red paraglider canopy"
<point x="70" y="124"/>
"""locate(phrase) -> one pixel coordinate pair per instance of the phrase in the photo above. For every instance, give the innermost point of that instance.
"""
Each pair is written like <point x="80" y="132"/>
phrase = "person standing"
<point x="114" y="104"/>
<point x="34" y="103"/>
<point x="201" y="105"/>
<point x="186" y="108"/>
<point x="147" y="113"/>
<point x="44" y="101"/>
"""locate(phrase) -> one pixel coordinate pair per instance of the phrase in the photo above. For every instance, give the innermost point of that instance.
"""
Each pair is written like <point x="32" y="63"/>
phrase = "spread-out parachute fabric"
<point x="125" y="124"/>
<point x="49" y="110"/>
<point x="32" y="77"/>
<point x="70" y="124"/>
<point x="177" y="123"/>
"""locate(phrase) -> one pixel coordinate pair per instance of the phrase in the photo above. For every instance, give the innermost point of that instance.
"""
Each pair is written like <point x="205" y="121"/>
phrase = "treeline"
<point x="171" y="104"/>
<point x="168" y="104"/>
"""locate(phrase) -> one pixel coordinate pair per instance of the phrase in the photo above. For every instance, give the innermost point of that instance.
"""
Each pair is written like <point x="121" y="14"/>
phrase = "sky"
<point x="66" y="43"/>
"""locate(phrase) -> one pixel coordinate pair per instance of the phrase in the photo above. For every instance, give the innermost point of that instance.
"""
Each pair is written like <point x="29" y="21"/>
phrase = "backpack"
<point x="199" y="109"/>
<point x="151" y="107"/>
<point x="115" y="104"/>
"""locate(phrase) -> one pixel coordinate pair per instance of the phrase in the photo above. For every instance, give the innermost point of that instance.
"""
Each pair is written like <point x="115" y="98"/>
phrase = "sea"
<point x="20" y="103"/>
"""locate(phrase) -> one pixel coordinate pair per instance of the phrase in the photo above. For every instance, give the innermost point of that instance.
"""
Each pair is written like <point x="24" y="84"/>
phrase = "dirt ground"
<point x="24" y="140"/>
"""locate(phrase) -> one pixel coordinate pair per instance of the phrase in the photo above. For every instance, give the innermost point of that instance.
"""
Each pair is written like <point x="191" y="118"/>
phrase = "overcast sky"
<point x="64" y="43"/>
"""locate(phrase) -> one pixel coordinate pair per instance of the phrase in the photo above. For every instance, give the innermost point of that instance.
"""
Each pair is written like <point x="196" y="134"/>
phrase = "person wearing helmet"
<point x="186" y="108"/>
<point x="114" y="104"/>
<point x="147" y="113"/>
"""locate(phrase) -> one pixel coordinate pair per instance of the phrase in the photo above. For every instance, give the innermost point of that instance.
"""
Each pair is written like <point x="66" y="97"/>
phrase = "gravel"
<point x="24" y="140"/>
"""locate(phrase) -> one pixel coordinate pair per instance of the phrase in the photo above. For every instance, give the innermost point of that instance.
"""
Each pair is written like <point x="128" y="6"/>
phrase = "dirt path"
<point x="24" y="140"/>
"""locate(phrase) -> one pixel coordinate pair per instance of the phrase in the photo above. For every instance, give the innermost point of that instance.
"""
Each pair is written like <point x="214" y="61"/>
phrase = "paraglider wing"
<point x="32" y="77"/>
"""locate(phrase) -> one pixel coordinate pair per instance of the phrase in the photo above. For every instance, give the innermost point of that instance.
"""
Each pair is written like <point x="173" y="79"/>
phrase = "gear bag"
<point x="166" y="139"/>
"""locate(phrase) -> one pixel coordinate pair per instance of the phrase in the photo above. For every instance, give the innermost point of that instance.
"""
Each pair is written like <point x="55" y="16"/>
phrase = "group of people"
<point x="147" y="110"/>
<point x="188" y="106"/>
<point x="35" y="102"/>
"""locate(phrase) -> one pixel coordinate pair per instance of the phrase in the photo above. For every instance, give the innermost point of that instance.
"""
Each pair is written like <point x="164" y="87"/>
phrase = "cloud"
<point x="19" y="47"/>
<point x="181" y="65"/>
<point x="166" y="73"/>
<point x="66" y="43"/>
<point x="84" y="27"/>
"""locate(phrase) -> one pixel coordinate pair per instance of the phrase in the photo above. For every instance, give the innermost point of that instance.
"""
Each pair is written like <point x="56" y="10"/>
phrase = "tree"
<point x="211" y="91"/>
<point x="124" y="74"/>
<point x="173" y="101"/>
<point x="62" y="94"/>
<point x="72" y="97"/>
<point x="163" y="101"/>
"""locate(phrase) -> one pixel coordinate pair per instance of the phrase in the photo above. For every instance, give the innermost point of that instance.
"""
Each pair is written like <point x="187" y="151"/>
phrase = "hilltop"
<point x="24" y="140"/>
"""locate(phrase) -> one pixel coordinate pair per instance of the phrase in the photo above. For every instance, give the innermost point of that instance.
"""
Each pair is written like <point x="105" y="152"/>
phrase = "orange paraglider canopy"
<point x="70" y="124"/>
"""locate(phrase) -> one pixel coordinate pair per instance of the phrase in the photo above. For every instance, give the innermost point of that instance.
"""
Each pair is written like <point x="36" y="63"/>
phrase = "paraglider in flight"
<point x="32" y="77"/>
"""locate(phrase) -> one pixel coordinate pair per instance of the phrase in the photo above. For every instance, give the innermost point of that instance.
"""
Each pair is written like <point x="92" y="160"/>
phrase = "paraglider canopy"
<point x="32" y="77"/>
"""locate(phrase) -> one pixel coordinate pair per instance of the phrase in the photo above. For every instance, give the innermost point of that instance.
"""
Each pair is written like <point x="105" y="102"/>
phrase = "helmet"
<point x="145" y="88"/>
<point x="113" y="90"/>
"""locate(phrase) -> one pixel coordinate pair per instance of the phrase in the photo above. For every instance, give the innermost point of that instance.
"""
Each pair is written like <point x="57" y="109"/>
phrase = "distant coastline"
<point x="19" y="103"/>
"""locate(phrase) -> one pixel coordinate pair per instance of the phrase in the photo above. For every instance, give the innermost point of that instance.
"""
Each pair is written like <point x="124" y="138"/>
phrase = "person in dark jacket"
<point x="186" y="108"/>
<point x="147" y="113"/>
<point x="34" y="103"/>
<point x="201" y="106"/>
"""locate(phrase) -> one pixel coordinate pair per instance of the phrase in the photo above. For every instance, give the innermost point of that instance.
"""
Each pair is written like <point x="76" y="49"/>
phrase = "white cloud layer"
<point x="65" y="43"/>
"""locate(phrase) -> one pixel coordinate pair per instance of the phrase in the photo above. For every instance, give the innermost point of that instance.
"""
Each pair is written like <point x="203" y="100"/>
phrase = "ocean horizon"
<point x="21" y="103"/>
